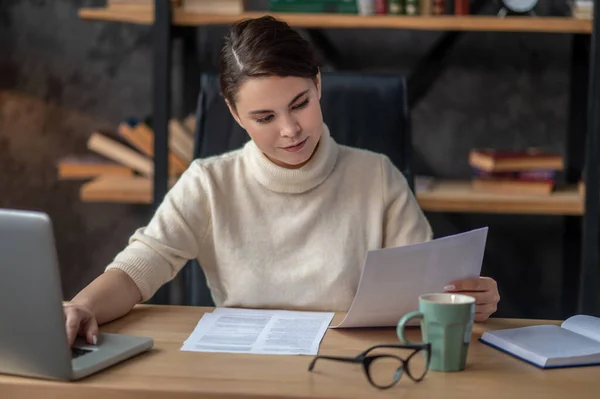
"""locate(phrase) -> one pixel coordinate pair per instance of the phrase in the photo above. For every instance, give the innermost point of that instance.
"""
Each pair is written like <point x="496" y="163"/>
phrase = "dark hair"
<point x="263" y="46"/>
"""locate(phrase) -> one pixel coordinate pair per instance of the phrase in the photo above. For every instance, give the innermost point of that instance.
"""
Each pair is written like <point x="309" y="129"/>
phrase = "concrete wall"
<point x="62" y="78"/>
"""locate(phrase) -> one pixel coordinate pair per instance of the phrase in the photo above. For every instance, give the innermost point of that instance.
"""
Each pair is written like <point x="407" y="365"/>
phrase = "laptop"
<point x="33" y="338"/>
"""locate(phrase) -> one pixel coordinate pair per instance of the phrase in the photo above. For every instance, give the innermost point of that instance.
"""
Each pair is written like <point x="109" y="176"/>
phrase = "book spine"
<point x="541" y="174"/>
<point x="438" y="7"/>
<point x="366" y="7"/>
<point x="341" y="7"/>
<point x="425" y="7"/>
<point x="395" y="7"/>
<point x="449" y="7"/>
<point x="381" y="7"/>
<point x="412" y="7"/>
<point x="461" y="7"/>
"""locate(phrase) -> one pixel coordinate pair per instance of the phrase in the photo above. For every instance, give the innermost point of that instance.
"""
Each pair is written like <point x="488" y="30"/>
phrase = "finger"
<point x="90" y="331"/>
<point x="483" y="297"/>
<point x="464" y="285"/>
<point x="471" y="284"/>
<point x="72" y="326"/>
<point x="488" y="309"/>
<point x="481" y="317"/>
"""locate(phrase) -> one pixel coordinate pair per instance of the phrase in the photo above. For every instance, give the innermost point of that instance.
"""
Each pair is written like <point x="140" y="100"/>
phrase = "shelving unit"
<point x="581" y="213"/>
<point x="117" y="189"/>
<point x="443" y="23"/>
<point x="448" y="196"/>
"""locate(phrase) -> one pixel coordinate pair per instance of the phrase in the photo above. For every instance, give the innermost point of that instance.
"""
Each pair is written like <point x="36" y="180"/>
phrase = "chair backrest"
<point x="364" y="111"/>
<point x="361" y="110"/>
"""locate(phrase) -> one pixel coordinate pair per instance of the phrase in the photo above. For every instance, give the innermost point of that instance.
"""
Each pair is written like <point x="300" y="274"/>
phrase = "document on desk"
<point x="279" y="332"/>
<point x="393" y="278"/>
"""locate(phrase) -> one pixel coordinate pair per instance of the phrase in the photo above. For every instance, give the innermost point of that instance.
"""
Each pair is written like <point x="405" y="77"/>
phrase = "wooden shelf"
<point x="457" y="196"/>
<point x="118" y="189"/>
<point x="443" y="23"/>
<point x="443" y="196"/>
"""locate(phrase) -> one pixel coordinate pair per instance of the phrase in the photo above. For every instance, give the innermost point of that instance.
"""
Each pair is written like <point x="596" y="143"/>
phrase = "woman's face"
<point x="282" y="115"/>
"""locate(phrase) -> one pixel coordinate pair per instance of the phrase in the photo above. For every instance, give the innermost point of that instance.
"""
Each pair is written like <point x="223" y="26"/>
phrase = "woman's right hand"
<point x="80" y="320"/>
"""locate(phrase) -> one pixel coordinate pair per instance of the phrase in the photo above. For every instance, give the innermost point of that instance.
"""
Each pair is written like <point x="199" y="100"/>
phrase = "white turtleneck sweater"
<point x="271" y="237"/>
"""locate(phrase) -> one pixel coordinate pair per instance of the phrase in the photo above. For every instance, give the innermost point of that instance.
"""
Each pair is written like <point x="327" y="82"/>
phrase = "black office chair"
<point x="361" y="110"/>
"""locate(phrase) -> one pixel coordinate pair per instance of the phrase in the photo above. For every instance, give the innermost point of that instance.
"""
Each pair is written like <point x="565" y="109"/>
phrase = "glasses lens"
<point x="385" y="370"/>
<point x="417" y="364"/>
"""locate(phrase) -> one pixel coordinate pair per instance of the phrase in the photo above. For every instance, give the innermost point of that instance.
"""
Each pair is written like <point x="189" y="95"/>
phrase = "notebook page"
<point x="587" y="326"/>
<point x="279" y="332"/>
<point x="546" y="341"/>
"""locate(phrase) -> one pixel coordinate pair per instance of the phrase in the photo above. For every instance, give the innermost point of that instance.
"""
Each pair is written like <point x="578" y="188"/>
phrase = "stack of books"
<point x="528" y="172"/>
<point x="377" y="7"/>
<point x="124" y="159"/>
<point x="315" y="6"/>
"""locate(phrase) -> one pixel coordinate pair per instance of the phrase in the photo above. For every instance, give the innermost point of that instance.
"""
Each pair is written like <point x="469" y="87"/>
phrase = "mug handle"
<point x="402" y="324"/>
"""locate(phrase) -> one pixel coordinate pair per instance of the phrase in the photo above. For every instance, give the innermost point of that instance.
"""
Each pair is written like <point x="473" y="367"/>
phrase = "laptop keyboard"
<point x="76" y="352"/>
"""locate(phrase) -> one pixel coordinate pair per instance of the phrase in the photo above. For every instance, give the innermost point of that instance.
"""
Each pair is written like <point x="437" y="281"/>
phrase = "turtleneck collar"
<point x="294" y="181"/>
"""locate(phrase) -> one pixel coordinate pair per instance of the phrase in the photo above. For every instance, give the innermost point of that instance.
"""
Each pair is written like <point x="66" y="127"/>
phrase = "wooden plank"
<point x="116" y="15"/>
<point x="119" y="189"/>
<point x="457" y="196"/>
<point x="120" y="153"/>
<point x="348" y="21"/>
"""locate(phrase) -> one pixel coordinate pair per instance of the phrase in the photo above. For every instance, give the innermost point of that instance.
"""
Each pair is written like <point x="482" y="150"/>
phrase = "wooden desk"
<point x="166" y="372"/>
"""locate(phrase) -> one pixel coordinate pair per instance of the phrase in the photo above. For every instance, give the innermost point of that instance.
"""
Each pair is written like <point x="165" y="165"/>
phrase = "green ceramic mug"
<point x="446" y="323"/>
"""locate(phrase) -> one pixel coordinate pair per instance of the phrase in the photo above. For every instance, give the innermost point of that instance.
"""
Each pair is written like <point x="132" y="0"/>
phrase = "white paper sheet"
<point x="256" y="331"/>
<point x="393" y="278"/>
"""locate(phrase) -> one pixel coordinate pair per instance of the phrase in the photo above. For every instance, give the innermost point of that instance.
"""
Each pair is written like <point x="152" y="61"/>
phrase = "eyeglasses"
<point x="384" y="370"/>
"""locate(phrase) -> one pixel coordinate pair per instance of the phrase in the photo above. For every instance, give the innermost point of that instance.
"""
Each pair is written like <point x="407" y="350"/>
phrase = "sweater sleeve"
<point x="403" y="222"/>
<point x="155" y="253"/>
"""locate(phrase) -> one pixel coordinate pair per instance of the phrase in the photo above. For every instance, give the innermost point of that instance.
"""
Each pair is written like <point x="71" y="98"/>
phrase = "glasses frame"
<point x="366" y="360"/>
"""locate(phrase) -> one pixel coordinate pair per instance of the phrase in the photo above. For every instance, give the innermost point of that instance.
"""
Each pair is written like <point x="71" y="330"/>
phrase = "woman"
<point x="283" y="222"/>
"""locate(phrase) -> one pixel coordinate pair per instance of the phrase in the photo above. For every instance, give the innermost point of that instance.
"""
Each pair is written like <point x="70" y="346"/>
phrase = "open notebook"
<point x="576" y="342"/>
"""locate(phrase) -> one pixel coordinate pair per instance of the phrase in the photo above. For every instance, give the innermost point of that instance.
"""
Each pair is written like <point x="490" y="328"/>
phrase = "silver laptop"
<point x="33" y="338"/>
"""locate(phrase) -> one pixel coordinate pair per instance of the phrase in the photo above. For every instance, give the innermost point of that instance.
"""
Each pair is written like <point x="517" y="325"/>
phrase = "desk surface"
<point x="165" y="371"/>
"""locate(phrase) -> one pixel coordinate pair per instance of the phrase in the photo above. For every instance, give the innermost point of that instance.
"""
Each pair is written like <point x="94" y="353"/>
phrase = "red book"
<point x="381" y="7"/>
<point x="461" y="7"/>
<point x="438" y="7"/>
<point x="528" y="175"/>
<point x="505" y="161"/>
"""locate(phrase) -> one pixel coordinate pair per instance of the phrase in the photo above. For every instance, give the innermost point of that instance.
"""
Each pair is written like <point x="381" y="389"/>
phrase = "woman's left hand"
<point x="483" y="289"/>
